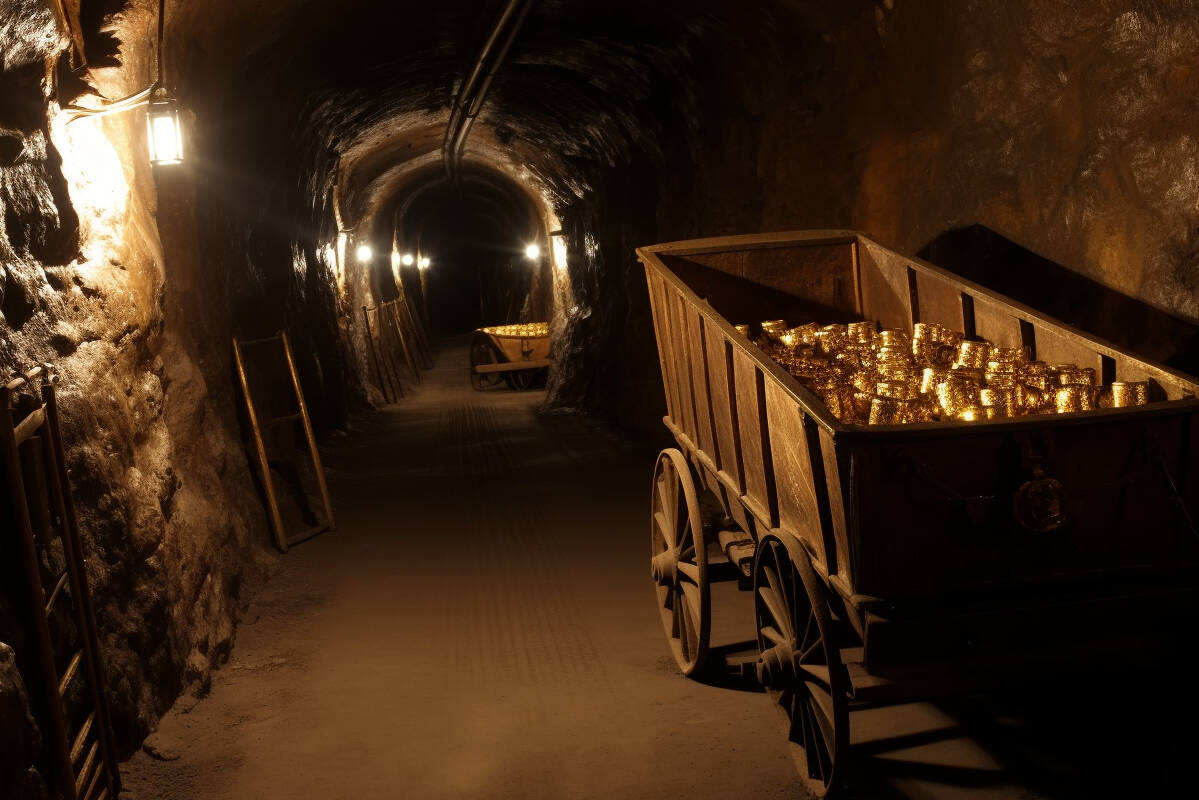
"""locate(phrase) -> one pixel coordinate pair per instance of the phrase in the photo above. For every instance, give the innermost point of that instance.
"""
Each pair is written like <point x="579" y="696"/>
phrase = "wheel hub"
<point x="665" y="567"/>
<point x="776" y="667"/>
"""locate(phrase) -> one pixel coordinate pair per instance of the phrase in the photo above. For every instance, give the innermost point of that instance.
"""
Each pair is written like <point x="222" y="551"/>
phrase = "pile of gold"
<point x="530" y="330"/>
<point x="932" y="374"/>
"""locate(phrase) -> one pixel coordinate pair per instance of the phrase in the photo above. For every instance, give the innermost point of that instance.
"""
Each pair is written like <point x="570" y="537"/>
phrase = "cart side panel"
<point x="699" y="382"/>
<point x="677" y="309"/>
<point x="793" y="442"/>
<point x="821" y="273"/>
<point x="939" y="301"/>
<point x="994" y="322"/>
<point x="839" y="483"/>
<point x="666" y="358"/>
<point x="936" y="514"/>
<point x="755" y="438"/>
<point x="723" y="404"/>
<point x="887" y="291"/>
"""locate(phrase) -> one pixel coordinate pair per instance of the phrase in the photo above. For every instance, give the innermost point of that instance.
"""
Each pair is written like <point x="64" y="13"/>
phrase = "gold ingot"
<point x="863" y="381"/>
<point x="791" y="337"/>
<point x="897" y="339"/>
<point x="1009" y="355"/>
<point x="973" y="354"/>
<point x="885" y="411"/>
<point x="925" y="330"/>
<point x="861" y="405"/>
<point x="1068" y="399"/>
<point x="773" y="326"/>
<point x="929" y="379"/>
<point x="997" y="402"/>
<point x="896" y="390"/>
<point x="862" y="331"/>
<point x="969" y="414"/>
<point x="1126" y="394"/>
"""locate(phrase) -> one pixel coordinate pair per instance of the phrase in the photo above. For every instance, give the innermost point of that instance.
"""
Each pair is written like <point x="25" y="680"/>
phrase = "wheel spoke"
<point x="815" y="647"/>
<point x="665" y="503"/>
<point x="771" y="634"/>
<point x="777" y="610"/>
<point x="684" y="629"/>
<point x="690" y="570"/>
<point x="809" y="628"/>
<point x="816" y="674"/>
<point x="666" y="528"/>
<point x="692" y="596"/>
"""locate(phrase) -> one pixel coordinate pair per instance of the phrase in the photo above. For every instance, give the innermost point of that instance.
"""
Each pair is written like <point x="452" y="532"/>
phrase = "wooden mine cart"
<point x="509" y="353"/>
<point x="896" y="562"/>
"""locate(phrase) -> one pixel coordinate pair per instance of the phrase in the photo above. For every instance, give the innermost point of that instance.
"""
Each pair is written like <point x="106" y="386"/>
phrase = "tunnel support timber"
<point x="84" y="759"/>
<point x="258" y="425"/>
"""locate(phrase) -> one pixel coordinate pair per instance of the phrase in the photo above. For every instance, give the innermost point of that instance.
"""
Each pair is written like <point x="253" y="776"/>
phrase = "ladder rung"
<point x="85" y="774"/>
<point x="280" y="420"/>
<point x="58" y="587"/>
<point x="95" y="782"/>
<point x="77" y="748"/>
<point x="29" y="426"/>
<point x="72" y="668"/>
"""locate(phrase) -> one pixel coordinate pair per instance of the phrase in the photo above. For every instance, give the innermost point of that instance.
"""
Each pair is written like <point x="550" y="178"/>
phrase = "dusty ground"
<point x="481" y="626"/>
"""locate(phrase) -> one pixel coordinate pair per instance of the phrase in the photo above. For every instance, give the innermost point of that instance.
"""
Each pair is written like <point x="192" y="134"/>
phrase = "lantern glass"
<point x="165" y="132"/>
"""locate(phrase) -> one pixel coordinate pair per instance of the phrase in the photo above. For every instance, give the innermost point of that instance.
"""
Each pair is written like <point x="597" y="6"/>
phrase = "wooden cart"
<point x="509" y="353"/>
<point x="896" y="562"/>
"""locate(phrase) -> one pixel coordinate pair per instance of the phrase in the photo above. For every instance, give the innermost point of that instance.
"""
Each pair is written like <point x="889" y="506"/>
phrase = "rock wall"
<point x="132" y="281"/>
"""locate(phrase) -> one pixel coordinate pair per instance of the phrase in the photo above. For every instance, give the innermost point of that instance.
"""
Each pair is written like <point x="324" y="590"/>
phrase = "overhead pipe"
<point x="472" y="94"/>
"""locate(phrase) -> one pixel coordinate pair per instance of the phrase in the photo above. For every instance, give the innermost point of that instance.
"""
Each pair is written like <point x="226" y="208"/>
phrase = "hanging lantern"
<point x="165" y="132"/>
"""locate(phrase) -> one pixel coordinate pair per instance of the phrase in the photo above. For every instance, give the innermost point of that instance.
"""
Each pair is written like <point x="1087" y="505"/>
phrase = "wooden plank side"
<point x="702" y="389"/>
<point x="720" y="379"/>
<point x="884" y="282"/>
<point x="750" y="415"/>
<point x="996" y="323"/>
<point x="822" y="273"/>
<point x="680" y="309"/>
<point x="797" y="507"/>
<point x="658" y="306"/>
<point x="940" y="301"/>
<point x="1056" y="348"/>
<point x="836" y="482"/>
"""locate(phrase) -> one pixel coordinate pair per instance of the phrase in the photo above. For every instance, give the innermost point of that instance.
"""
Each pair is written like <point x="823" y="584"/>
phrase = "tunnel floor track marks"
<point x="513" y="616"/>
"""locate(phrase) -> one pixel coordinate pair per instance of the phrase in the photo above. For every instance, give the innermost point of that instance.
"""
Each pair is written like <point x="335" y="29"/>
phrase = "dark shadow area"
<point x="1088" y="733"/>
<point x="980" y="254"/>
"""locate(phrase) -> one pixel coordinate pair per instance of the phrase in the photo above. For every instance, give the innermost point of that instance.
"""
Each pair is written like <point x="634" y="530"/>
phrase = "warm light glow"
<point x="559" y="244"/>
<point x="165" y="135"/>
<point x="532" y="252"/>
<point x="407" y="260"/>
<point x="395" y="260"/>
<point x="424" y="263"/>
<point x="365" y="253"/>
<point x="98" y="186"/>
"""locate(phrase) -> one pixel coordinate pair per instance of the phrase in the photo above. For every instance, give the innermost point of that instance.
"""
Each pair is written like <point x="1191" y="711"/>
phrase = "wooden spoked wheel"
<point x="520" y="379"/>
<point x="799" y="664"/>
<point x="679" y="562"/>
<point x="482" y="351"/>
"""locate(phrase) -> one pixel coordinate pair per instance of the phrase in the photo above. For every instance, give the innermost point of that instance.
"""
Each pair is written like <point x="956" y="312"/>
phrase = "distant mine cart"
<point x="928" y="487"/>
<point x="517" y="354"/>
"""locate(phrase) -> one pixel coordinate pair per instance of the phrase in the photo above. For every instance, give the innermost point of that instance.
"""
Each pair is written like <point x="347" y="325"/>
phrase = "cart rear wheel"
<point x="520" y="379"/>
<point x="482" y="351"/>
<point x="679" y="561"/>
<point x="799" y="663"/>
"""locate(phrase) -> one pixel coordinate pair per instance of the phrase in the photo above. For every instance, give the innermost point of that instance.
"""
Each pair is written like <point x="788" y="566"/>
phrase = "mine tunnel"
<point x="353" y="352"/>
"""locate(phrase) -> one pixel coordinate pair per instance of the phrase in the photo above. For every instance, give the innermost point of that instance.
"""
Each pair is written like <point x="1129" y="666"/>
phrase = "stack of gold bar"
<point x="932" y="374"/>
<point x="530" y="330"/>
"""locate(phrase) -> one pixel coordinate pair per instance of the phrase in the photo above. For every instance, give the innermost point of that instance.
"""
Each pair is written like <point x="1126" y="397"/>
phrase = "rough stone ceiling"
<point x="369" y="84"/>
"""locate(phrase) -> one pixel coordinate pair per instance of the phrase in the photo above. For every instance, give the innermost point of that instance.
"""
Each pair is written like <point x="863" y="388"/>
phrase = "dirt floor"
<point x="481" y="625"/>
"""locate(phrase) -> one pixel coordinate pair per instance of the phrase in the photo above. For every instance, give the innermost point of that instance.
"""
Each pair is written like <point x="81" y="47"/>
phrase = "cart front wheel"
<point x="799" y="663"/>
<point x="482" y="351"/>
<point x="679" y="561"/>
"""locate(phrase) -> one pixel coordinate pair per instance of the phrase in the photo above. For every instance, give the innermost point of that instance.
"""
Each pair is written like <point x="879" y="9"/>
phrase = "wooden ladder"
<point x="84" y="759"/>
<point x="258" y="424"/>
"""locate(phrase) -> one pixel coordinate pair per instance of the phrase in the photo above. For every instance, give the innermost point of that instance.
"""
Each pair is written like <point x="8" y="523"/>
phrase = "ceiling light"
<point x="365" y="253"/>
<point x="532" y="252"/>
<point x="424" y="263"/>
<point x="407" y="260"/>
